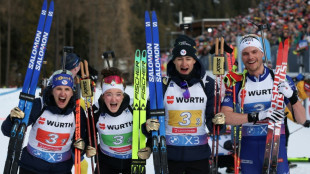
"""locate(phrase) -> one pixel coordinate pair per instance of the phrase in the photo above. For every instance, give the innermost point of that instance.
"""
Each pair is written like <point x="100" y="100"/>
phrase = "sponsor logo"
<point x="102" y="126"/>
<point x="121" y="149"/>
<point x="190" y="100"/>
<point x="226" y="100"/>
<point x="184" y="130"/>
<point x="247" y="161"/>
<point x="64" y="82"/>
<point x="120" y="126"/>
<point x="183" y="52"/>
<point x="41" y="120"/>
<point x="174" y="140"/>
<point x="260" y="92"/>
<point x="49" y="147"/>
<point x="59" y="124"/>
<point x="170" y="99"/>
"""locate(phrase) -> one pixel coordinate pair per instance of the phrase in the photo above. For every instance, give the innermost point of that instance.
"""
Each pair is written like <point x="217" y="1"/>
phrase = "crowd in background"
<point x="287" y="18"/>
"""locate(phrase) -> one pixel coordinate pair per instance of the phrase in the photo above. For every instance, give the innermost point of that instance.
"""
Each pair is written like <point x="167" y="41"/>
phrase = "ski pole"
<point x="85" y="91"/>
<point x="77" y="152"/>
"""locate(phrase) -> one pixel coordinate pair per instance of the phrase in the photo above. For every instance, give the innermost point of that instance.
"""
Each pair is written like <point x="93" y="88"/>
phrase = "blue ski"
<point x="156" y="93"/>
<point x="29" y="87"/>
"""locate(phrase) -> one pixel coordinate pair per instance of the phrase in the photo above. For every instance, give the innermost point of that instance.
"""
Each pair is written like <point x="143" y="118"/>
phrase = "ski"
<point x="157" y="111"/>
<point x="139" y="112"/>
<point x="29" y="87"/>
<point x="274" y="128"/>
<point x="77" y="152"/>
<point x="299" y="159"/>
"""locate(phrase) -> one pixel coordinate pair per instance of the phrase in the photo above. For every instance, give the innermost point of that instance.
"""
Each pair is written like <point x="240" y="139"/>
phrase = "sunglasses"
<point x="249" y="36"/>
<point x="186" y="93"/>
<point x="116" y="79"/>
<point x="62" y="72"/>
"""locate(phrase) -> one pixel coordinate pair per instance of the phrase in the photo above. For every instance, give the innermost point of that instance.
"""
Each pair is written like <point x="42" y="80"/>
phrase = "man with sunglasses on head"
<point x="189" y="105"/>
<point x="257" y="85"/>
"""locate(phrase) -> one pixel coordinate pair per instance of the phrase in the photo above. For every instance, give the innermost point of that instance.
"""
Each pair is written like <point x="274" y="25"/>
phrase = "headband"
<point x="250" y="41"/>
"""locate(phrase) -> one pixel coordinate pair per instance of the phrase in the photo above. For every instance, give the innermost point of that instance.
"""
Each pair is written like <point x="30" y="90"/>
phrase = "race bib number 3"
<point x="117" y="140"/>
<point x="188" y="118"/>
<point x="52" y="138"/>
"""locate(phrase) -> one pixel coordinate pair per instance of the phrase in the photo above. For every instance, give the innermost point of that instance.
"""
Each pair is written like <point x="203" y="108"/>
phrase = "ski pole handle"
<point x="105" y="56"/>
<point x="66" y="49"/>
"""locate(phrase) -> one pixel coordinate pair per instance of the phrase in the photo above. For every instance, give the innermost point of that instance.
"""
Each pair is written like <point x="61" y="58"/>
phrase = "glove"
<point x="90" y="151"/>
<point x="270" y="113"/>
<point x="219" y="119"/>
<point x="307" y="123"/>
<point x="144" y="153"/>
<point x="152" y="124"/>
<point x="79" y="144"/>
<point x="285" y="89"/>
<point x="17" y="113"/>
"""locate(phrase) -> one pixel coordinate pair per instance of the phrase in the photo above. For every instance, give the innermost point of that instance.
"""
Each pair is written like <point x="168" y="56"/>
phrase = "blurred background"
<point x="95" y="26"/>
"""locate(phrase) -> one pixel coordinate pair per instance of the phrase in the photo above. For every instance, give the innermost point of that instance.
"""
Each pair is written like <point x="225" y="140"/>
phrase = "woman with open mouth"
<point x="50" y="146"/>
<point x="113" y="120"/>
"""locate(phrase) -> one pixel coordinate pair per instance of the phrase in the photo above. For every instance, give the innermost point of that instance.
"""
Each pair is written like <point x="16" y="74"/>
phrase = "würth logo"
<point x="42" y="120"/>
<point x="170" y="99"/>
<point x="102" y="126"/>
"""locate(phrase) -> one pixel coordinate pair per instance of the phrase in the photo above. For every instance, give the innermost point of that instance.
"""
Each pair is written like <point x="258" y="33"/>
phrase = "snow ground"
<point x="298" y="144"/>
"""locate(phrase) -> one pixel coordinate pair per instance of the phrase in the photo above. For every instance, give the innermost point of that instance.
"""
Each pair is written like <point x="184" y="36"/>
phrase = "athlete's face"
<point x="75" y="70"/>
<point x="252" y="58"/>
<point x="113" y="98"/>
<point x="62" y="95"/>
<point x="184" y="64"/>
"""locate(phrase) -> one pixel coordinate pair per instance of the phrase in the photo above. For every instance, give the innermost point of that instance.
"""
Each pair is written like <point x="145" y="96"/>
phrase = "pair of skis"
<point x="29" y="87"/>
<point x="139" y="112"/>
<point x="156" y="94"/>
<point x="274" y="128"/>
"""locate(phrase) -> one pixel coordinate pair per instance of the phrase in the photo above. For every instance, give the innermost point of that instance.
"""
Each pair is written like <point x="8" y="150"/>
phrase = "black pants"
<point x="25" y="171"/>
<point x="107" y="169"/>
<point x="189" y="167"/>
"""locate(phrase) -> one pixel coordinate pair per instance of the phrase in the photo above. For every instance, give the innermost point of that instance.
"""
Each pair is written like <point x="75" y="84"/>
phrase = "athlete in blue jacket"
<point x="257" y="102"/>
<point x="50" y="146"/>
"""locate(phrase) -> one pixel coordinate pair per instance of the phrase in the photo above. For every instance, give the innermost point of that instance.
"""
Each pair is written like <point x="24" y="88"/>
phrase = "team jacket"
<point x="49" y="149"/>
<point x="115" y="133"/>
<point x="186" y="119"/>
<point x="257" y="98"/>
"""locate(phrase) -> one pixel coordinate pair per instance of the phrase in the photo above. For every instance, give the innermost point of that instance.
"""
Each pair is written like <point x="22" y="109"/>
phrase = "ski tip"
<point x="146" y="14"/>
<point x="143" y="53"/>
<point x="137" y="53"/>
<point x="52" y="4"/>
<point x="153" y="14"/>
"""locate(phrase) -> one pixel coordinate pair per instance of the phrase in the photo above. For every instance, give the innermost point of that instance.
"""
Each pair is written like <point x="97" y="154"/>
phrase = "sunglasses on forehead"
<point x="116" y="79"/>
<point x="249" y="36"/>
<point x="62" y="72"/>
<point x="186" y="93"/>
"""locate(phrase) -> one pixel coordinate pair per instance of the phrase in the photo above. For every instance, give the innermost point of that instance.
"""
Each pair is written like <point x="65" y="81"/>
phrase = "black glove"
<point x="307" y="123"/>
<point x="270" y="113"/>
